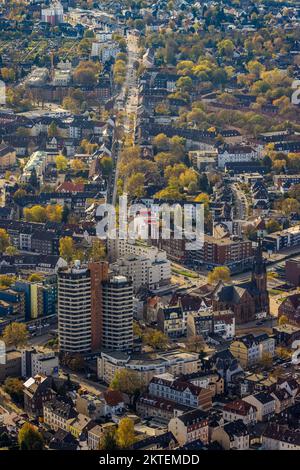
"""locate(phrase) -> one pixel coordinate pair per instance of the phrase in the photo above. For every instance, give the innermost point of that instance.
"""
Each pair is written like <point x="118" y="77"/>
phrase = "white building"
<point x="35" y="362"/>
<point x="54" y="14"/>
<point x="143" y="271"/>
<point x="264" y="404"/>
<point x="189" y="427"/>
<point x="37" y="160"/>
<point x="74" y="310"/>
<point x="237" y="154"/>
<point x="105" y="50"/>
<point x="117" y="320"/>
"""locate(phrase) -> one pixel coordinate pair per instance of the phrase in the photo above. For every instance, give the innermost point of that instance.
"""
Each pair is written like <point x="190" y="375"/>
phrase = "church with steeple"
<point x="248" y="298"/>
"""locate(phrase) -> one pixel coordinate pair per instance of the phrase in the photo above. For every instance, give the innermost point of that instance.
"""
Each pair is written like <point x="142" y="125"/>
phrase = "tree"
<point x="220" y="273"/>
<point x="19" y="195"/>
<point x="61" y="163"/>
<point x="283" y="320"/>
<point x="97" y="252"/>
<point x="106" y="164"/>
<point x="77" y="164"/>
<point x="35" y="277"/>
<point x="8" y="74"/>
<point x="195" y="343"/>
<point x="4" y="240"/>
<point x="125" y="433"/>
<point x="29" y="438"/>
<point x="109" y="440"/>
<point x="184" y="84"/>
<point x="86" y="73"/>
<point x="169" y="193"/>
<point x="155" y="338"/>
<point x="161" y="142"/>
<point x="273" y="226"/>
<point x="289" y="206"/>
<point x="11" y="250"/>
<point x="135" y="185"/>
<point x="52" y="130"/>
<point x="6" y="280"/>
<point x="35" y="213"/>
<point x="66" y="248"/>
<point x="127" y="381"/>
<point x="225" y="48"/>
<point x="14" y="388"/>
<point x="187" y="177"/>
<point x="54" y="212"/>
<point x="15" y="334"/>
<point x="33" y="179"/>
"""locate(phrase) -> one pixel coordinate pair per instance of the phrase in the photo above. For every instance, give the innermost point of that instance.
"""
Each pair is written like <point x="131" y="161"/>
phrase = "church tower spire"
<point x="259" y="271"/>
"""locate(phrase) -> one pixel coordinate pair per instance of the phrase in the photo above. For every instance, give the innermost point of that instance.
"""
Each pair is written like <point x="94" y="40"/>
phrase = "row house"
<point x="250" y="349"/>
<point x="240" y="410"/>
<point x="189" y="427"/>
<point x="264" y="403"/>
<point x="275" y="437"/>
<point x="161" y="408"/>
<point x="185" y="393"/>
<point x="232" y="436"/>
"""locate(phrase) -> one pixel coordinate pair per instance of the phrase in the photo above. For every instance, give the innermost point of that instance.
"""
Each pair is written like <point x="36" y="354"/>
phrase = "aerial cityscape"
<point x="149" y="226"/>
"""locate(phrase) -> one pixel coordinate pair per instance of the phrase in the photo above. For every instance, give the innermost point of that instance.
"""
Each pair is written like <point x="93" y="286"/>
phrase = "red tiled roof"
<point x="71" y="187"/>
<point x="239" y="407"/>
<point x="113" y="397"/>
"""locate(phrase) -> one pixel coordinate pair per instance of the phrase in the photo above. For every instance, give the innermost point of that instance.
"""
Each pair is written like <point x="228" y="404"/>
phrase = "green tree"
<point x="4" y="240"/>
<point x="61" y="163"/>
<point x="127" y="381"/>
<point x="35" y="277"/>
<point x="29" y="438"/>
<point x="273" y="226"/>
<point x="135" y="185"/>
<point x="109" y="441"/>
<point x="15" y="334"/>
<point x="52" y="130"/>
<point x="33" y="179"/>
<point x="106" y="164"/>
<point x="220" y="273"/>
<point x="14" y="388"/>
<point x="155" y="338"/>
<point x="125" y="433"/>
<point x="97" y="252"/>
<point x="66" y="248"/>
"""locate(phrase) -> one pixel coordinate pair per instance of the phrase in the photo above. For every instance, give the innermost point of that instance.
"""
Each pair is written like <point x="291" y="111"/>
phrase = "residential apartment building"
<point x="144" y="271"/>
<point x="74" y="309"/>
<point x="81" y="307"/>
<point x="190" y="426"/>
<point x="147" y="365"/>
<point x="117" y="323"/>
<point x="38" y="362"/>
<point x="250" y="349"/>
<point x="232" y="436"/>
<point x="292" y="271"/>
<point x="211" y="322"/>
<point x="225" y="252"/>
<point x="240" y="410"/>
<point x="7" y="156"/>
<point x="282" y="239"/>
<point x="170" y="320"/>
<point x="160" y="408"/>
<point x="237" y="154"/>
<point x="264" y="404"/>
<point x="180" y="391"/>
<point x="290" y="308"/>
<point x="276" y="437"/>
